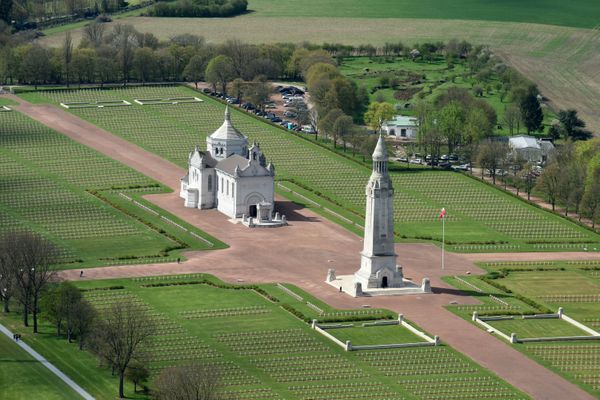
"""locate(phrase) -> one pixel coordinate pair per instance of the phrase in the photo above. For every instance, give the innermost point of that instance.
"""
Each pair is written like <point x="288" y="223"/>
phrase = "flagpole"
<point x="443" y="238"/>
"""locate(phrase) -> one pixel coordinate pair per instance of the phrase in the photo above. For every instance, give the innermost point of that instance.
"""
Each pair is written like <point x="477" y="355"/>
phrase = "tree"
<point x="237" y="87"/>
<point x="93" y="34"/>
<point x="258" y="92"/>
<point x="67" y="55"/>
<point x="549" y="182"/>
<point x="144" y="64"/>
<point x="531" y="112"/>
<point x="137" y="374"/>
<point x="572" y="125"/>
<point x="512" y="118"/>
<point x="124" y="39"/>
<point x="189" y="382"/>
<point x="194" y="70"/>
<point x="120" y="334"/>
<point x="7" y="279"/>
<point x="527" y="178"/>
<point x="450" y="122"/>
<point x="35" y="66"/>
<point x="377" y="114"/>
<point x="491" y="156"/>
<point x="591" y="199"/>
<point x="326" y="124"/>
<point x="30" y="258"/>
<point x="84" y="65"/>
<point x="57" y="305"/>
<point x="219" y="71"/>
<point x="341" y="129"/>
<point x="83" y="317"/>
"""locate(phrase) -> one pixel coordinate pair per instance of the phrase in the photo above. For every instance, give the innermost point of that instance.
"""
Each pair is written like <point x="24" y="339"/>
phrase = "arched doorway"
<point x="252" y="210"/>
<point x="384" y="282"/>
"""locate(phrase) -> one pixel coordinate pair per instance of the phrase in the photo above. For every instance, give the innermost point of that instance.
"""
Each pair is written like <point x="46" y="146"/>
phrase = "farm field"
<point x="579" y="13"/>
<point x="575" y="286"/>
<point x="424" y="80"/>
<point x="569" y="80"/>
<point x="235" y="330"/>
<point x="28" y="377"/>
<point x="481" y="218"/>
<point x="50" y="185"/>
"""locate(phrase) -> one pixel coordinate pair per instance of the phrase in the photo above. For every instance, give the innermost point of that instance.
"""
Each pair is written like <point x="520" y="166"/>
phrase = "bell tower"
<point x="378" y="267"/>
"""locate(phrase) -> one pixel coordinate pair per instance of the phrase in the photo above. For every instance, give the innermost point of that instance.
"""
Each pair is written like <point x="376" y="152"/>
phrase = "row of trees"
<point x="198" y="8"/>
<point x="119" y="335"/>
<point x="572" y="178"/>
<point x="27" y="13"/>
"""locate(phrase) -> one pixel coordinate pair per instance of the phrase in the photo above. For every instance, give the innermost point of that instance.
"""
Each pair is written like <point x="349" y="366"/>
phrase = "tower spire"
<point x="380" y="157"/>
<point x="227" y="115"/>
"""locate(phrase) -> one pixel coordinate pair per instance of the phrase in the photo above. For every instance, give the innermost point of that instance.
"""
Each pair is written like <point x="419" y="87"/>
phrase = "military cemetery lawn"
<point x="262" y="349"/>
<point x="71" y="194"/>
<point x="480" y="217"/>
<point x="537" y="328"/>
<point x="374" y="335"/>
<point x="573" y="285"/>
<point x="21" y="376"/>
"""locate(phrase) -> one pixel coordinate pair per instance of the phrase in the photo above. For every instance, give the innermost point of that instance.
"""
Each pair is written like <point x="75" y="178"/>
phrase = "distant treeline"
<point x="198" y="8"/>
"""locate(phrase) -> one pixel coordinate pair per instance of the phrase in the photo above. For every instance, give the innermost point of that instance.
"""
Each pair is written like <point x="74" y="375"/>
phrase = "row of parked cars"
<point x="292" y="96"/>
<point x="445" y="161"/>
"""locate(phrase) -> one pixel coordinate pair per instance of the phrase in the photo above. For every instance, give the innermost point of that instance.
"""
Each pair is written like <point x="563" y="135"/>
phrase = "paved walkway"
<point x="302" y="252"/>
<point x="47" y="364"/>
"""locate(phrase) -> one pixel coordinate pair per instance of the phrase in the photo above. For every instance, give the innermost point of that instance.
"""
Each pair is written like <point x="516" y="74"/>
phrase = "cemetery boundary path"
<point x="302" y="252"/>
<point x="38" y="357"/>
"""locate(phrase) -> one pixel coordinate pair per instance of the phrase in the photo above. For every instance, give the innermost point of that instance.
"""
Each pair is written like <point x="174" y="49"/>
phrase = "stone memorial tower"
<point x="378" y="267"/>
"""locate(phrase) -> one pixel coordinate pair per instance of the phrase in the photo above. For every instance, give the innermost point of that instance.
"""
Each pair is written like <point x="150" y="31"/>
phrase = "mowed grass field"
<point x="577" y="13"/>
<point x="477" y="213"/>
<point x="262" y="350"/>
<point x="21" y="376"/>
<point x="373" y="335"/>
<point x="535" y="328"/>
<point x="573" y="285"/>
<point x="45" y="183"/>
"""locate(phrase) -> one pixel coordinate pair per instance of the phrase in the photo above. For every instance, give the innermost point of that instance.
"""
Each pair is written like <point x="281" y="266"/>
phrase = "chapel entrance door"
<point x="384" y="282"/>
<point x="252" y="210"/>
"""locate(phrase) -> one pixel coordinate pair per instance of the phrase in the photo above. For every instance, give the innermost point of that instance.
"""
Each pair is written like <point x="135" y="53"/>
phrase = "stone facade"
<point x="232" y="177"/>
<point x="378" y="267"/>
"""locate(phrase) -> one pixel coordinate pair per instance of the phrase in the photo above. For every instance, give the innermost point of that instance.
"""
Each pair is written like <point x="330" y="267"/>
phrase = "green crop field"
<point x="573" y="285"/>
<point x="577" y="13"/>
<point x="21" y="376"/>
<point x="46" y="183"/>
<point x="263" y="351"/>
<point x="481" y="218"/>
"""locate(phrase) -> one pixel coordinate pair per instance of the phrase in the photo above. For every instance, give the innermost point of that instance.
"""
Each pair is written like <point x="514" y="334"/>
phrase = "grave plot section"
<point x="568" y="341"/>
<point x="481" y="218"/>
<point x="264" y="352"/>
<point x="94" y="104"/>
<point x="169" y="100"/>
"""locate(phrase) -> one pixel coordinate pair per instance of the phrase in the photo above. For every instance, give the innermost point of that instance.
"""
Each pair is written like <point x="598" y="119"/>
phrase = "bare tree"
<point x="31" y="259"/>
<point x="189" y="382"/>
<point x="491" y="156"/>
<point x="121" y="332"/>
<point x="94" y="33"/>
<point x="83" y="317"/>
<point x="7" y="279"/>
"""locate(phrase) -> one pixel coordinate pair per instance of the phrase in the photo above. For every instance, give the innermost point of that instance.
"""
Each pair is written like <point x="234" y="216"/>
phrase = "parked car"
<point x="307" y="129"/>
<point x="290" y="114"/>
<point x="206" y="90"/>
<point x="416" y="161"/>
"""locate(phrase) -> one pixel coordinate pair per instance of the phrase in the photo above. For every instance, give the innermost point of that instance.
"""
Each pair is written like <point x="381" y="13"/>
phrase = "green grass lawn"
<point x="21" y="376"/>
<point x="532" y="328"/>
<point x="578" y="13"/>
<point x="478" y="214"/>
<point x="47" y="185"/>
<point x="424" y="80"/>
<point x="573" y="285"/>
<point x="262" y="350"/>
<point x="367" y="335"/>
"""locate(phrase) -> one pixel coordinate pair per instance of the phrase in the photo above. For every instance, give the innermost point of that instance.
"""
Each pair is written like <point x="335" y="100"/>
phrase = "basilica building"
<point x="232" y="177"/>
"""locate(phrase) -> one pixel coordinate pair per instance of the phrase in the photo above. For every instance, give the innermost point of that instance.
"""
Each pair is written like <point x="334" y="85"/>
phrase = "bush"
<point x="191" y="9"/>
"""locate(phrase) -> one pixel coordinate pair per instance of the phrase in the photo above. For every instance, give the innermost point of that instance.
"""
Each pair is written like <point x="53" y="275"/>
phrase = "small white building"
<point x="531" y="149"/>
<point x="402" y="127"/>
<point x="232" y="177"/>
